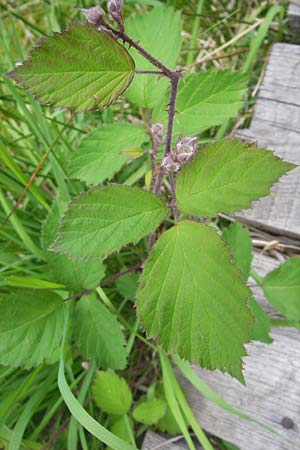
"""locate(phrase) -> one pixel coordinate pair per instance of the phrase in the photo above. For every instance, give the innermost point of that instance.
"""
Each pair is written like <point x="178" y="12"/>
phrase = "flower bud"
<point x="157" y="132"/>
<point x="94" y="15"/>
<point x="186" y="149"/>
<point x="170" y="165"/>
<point x="115" y="9"/>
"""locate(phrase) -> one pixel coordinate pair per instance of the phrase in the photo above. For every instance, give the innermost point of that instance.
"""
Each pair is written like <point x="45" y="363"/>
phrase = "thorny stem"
<point x="171" y="115"/>
<point x="175" y="78"/>
<point x="150" y="72"/>
<point x="120" y="34"/>
<point x="174" y="198"/>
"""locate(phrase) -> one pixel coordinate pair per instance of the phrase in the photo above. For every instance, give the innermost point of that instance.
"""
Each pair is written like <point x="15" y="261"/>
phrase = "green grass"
<point x="34" y="411"/>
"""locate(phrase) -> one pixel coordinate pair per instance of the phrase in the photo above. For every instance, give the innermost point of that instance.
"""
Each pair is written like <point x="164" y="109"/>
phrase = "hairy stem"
<point x="171" y="115"/>
<point x="122" y="35"/>
<point x="174" y="198"/>
<point x="150" y="72"/>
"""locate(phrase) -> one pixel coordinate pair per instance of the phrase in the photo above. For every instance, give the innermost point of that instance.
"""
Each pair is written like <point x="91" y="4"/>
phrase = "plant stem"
<point x="121" y="274"/>
<point x="171" y="115"/>
<point x="106" y="281"/>
<point x="150" y="72"/>
<point x="174" y="198"/>
<point x="256" y="277"/>
<point x="120" y="34"/>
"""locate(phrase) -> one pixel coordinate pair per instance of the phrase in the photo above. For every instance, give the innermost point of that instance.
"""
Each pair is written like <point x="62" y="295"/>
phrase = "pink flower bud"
<point x="186" y="149"/>
<point x="94" y="15"/>
<point x="170" y="165"/>
<point x="157" y="132"/>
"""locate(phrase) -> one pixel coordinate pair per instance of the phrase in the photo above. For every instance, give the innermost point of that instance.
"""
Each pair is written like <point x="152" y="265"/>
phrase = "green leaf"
<point x="31" y="324"/>
<point x="98" y="334"/>
<point x="75" y="274"/>
<point x="159" y="32"/>
<point x="226" y="176"/>
<point x="103" y="220"/>
<point x="111" y="393"/>
<point x="80" y="69"/>
<point x="239" y="240"/>
<point x="150" y="412"/>
<point x="261" y="327"/>
<point x="205" y="100"/>
<point x="192" y="300"/>
<point x="128" y="285"/>
<point x="101" y="154"/>
<point x="282" y="289"/>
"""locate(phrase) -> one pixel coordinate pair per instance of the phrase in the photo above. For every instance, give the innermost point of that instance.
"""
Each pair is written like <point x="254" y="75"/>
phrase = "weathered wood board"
<point x="293" y="15"/>
<point x="272" y="396"/>
<point x="157" y="441"/>
<point x="276" y="126"/>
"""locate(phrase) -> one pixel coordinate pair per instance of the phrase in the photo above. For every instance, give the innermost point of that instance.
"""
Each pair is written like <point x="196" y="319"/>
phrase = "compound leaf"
<point x="226" y="176"/>
<point x="111" y="393"/>
<point x="104" y="219"/>
<point x="159" y="32"/>
<point x="31" y="326"/>
<point x="192" y="300"/>
<point x="98" y="334"/>
<point x="282" y="289"/>
<point x="101" y="154"/>
<point x="205" y="100"/>
<point x="80" y="69"/>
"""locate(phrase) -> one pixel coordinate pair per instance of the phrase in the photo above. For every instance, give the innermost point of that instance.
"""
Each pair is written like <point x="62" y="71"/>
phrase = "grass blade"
<point x="172" y="401"/>
<point x="81" y="415"/>
<point x="172" y="381"/>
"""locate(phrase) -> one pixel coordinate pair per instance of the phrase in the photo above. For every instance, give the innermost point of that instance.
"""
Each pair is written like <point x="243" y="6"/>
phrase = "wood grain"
<point x="158" y="441"/>
<point x="271" y="395"/>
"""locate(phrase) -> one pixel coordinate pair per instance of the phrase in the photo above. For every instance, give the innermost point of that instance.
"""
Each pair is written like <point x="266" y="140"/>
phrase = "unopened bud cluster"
<point x="184" y="152"/>
<point x="157" y="133"/>
<point x="94" y="15"/>
<point x="115" y="9"/>
<point x="186" y="149"/>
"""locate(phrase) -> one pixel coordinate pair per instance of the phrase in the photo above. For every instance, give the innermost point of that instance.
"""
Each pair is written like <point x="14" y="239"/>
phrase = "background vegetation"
<point x="35" y="148"/>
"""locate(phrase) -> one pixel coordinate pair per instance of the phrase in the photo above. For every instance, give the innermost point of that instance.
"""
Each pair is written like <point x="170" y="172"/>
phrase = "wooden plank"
<point x="275" y="125"/>
<point x="158" y="441"/>
<point x="271" y="395"/>
<point x="281" y="80"/>
<point x="293" y="15"/>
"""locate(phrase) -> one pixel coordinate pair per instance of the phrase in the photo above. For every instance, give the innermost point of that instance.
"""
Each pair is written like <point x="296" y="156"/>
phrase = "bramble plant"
<point x="192" y="299"/>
